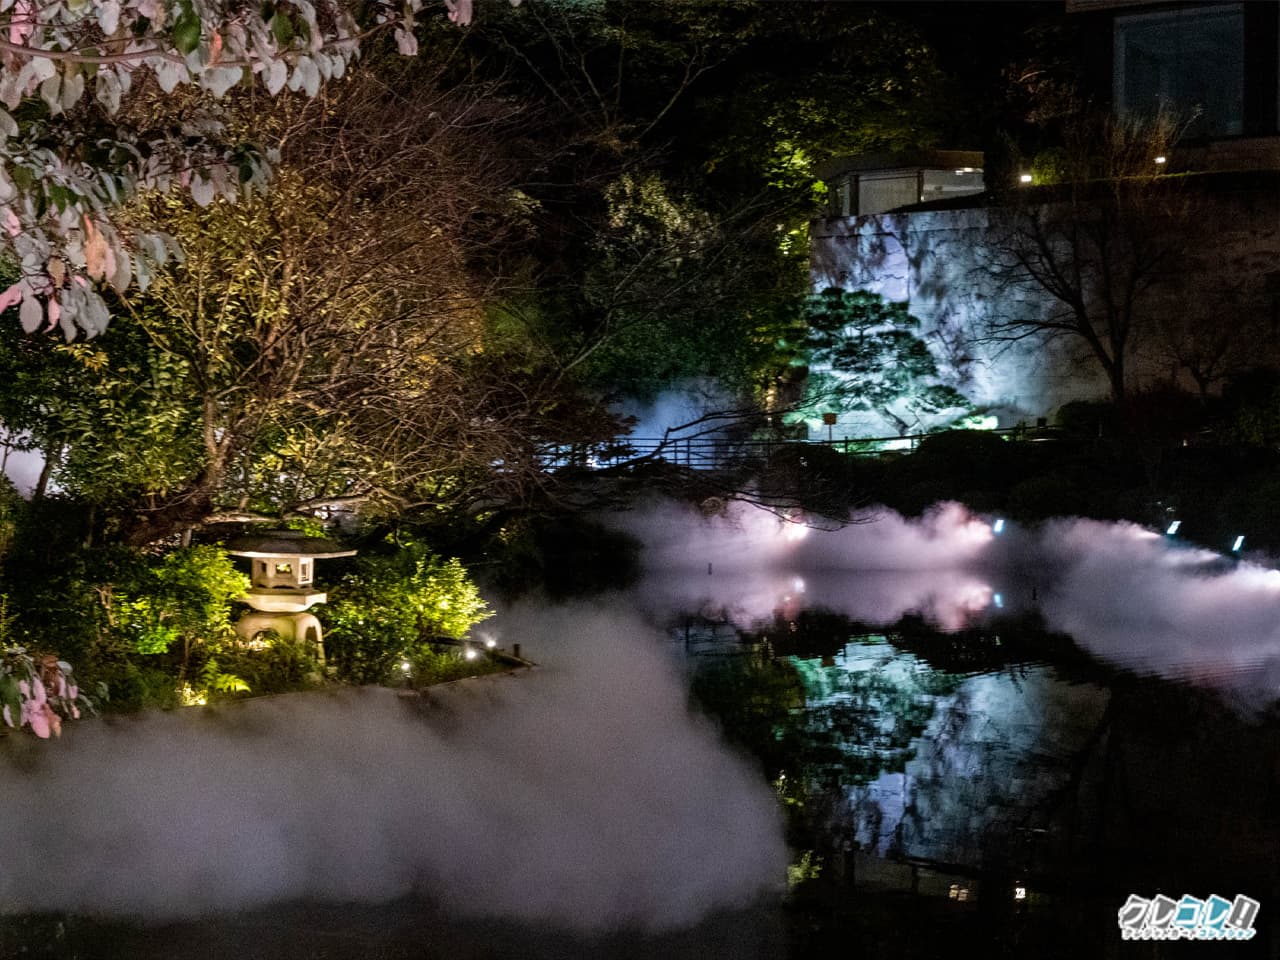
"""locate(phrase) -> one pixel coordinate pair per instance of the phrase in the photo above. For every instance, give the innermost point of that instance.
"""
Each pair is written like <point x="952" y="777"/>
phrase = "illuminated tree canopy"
<point x="865" y="354"/>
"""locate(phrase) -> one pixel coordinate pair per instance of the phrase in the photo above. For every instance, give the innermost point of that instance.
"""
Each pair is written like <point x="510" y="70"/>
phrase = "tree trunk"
<point x="42" y="484"/>
<point x="176" y="513"/>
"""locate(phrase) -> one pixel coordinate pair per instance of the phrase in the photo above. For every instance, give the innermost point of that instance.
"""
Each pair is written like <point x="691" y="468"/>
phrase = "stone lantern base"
<point x="299" y="627"/>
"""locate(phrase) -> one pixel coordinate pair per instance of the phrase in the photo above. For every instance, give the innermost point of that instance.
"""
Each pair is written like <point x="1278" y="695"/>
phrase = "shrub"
<point x="564" y="555"/>
<point x="1049" y="495"/>
<point x="11" y="505"/>
<point x="966" y="460"/>
<point x="185" y="597"/>
<point x="143" y="624"/>
<point x="1086" y="419"/>
<point x="37" y="691"/>
<point x="391" y="605"/>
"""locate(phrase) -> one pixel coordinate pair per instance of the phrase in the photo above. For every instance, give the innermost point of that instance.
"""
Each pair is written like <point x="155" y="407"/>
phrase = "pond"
<point x="1006" y="748"/>
<point x="908" y="737"/>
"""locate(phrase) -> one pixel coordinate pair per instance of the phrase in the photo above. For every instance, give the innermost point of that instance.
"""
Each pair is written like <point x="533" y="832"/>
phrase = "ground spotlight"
<point x="1173" y="527"/>
<point x="1235" y="547"/>
<point x="998" y="526"/>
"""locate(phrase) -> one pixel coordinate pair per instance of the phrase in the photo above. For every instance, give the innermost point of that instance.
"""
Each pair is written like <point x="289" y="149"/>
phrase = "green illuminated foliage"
<point x="186" y="596"/>
<point x="874" y="360"/>
<point x="392" y="605"/>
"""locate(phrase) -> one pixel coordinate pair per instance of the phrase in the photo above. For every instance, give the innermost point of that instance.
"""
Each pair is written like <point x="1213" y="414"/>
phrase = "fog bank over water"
<point x="1125" y="594"/>
<point x="583" y="794"/>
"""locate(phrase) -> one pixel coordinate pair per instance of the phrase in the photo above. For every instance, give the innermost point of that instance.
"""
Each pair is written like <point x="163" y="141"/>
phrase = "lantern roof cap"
<point x="287" y="543"/>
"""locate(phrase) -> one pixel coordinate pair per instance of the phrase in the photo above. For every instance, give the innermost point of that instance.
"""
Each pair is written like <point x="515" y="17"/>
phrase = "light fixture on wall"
<point x="1161" y="159"/>
<point x="1024" y="178"/>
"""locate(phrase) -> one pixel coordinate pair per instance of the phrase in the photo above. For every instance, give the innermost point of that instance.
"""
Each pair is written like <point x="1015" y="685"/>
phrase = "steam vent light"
<point x="1173" y="527"/>
<point x="998" y="526"/>
<point x="1235" y="547"/>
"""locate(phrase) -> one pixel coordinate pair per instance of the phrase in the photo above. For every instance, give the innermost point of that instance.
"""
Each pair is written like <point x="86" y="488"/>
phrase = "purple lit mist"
<point x="1125" y="594"/>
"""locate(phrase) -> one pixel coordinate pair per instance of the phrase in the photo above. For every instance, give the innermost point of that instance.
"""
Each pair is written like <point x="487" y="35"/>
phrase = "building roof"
<point x="918" y="160"/>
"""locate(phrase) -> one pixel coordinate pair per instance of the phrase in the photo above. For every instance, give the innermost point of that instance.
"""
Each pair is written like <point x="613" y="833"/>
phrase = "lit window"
<point x="284" y="568"/>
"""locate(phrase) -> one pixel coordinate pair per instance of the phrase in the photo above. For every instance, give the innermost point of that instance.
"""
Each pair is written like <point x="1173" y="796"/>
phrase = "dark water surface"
<point x="992" y="785"/>
<point x="993" y="788"/>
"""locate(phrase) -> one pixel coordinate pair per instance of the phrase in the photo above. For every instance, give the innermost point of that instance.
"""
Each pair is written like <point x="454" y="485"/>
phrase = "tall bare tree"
<point x="1082" y="259"/>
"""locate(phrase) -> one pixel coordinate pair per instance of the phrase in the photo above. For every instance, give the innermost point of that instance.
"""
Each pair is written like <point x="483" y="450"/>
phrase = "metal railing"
<point x="714" y="452"/>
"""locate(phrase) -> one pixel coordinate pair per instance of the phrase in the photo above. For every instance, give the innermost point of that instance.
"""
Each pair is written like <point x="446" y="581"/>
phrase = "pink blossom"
<point x="12" y="296"/>
<point x="38" y="718"/>
<point x="73" y="691"/>
<point x="23" y="22"/>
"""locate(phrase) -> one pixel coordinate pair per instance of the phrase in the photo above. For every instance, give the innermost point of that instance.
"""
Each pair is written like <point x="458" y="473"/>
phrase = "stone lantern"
<point x="283" y="589"/>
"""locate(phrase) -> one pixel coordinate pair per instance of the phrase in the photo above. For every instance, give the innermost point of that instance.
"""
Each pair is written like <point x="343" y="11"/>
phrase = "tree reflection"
<point x="906" y="743"/>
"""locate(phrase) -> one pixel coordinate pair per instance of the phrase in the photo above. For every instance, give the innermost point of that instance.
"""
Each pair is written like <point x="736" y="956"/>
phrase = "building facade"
<point x="948" y="260"/>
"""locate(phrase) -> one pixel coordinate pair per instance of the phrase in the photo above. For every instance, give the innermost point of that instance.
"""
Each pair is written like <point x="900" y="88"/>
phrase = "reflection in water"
<point x="997" y="728"/>
<point x="1125" y="594"/>
<point x="905" y="769"/>
<point x="990" y="750"/>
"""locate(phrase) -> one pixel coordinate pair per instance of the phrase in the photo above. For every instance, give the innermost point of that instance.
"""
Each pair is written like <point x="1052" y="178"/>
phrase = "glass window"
<point x="1187" y="60"/>
<point x="876" y="194"/>
<point x="944" y="184"/>
<point x="844" y="198"/>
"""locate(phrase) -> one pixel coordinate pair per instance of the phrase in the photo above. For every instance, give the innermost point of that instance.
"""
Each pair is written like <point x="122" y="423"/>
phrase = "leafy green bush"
<point x="186" y="597"/>
<point x="11" y="505"/>
<point x="1060" y="494"/>
<point x="389" y="608"/>
<point x="142" y="624"/>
